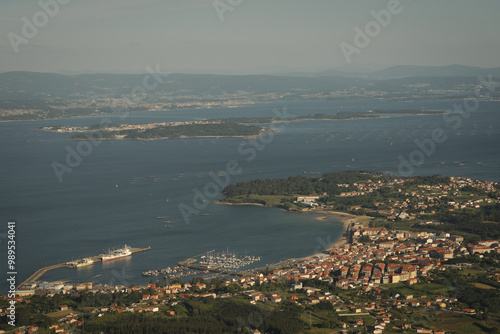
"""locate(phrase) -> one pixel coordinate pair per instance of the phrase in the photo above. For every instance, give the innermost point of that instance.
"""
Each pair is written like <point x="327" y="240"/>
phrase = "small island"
<point x="246" y="127"/>
<point x="152" y="131"/>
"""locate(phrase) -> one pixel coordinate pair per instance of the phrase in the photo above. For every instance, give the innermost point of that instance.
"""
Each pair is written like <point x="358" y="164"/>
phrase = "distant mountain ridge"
<point x="434" y="71"/>
<point x="406" y="71"/>
<point x="31" y="85"/>
<point x="49" y="83"/>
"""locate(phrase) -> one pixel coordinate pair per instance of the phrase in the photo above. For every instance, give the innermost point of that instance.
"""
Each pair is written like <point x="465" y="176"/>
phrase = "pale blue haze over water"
<point x="86" y="213"/>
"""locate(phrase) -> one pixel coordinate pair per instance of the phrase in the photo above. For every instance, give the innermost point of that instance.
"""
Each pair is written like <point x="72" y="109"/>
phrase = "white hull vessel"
<point x="116" y="254"/>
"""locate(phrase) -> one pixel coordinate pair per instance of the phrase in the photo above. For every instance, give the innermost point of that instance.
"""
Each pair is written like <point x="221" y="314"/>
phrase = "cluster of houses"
<point x="384" y="257"/>
<point x="70" y="319"/>
<point x="426" y="198"/>
<point x="393" y="257"/>
<point x="142" y="126"/>
<point x="28" y="330"/>
<point x="367" y="187"/>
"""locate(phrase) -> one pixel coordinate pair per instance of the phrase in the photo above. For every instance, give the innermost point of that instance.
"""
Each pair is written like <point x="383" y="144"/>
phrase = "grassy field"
<point x="419" y="289"/>
<point x="483" y="286"/>
<point x="61" y="314"/>
<point x="431" y="288"/>
<point x="466" y="272"/>
<point x="459" y="324"/>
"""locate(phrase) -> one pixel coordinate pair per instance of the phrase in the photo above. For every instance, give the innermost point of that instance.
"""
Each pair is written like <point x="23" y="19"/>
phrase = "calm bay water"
<point x="112" y="198"/>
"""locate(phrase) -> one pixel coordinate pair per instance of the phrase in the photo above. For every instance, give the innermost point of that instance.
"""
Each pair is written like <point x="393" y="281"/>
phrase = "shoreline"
<point x="239" y="204"/>
<point x="181" y="137"/>
<point x="346" y="218"/>
<point x="107" y="114"/>
<point x="263" y="132"/>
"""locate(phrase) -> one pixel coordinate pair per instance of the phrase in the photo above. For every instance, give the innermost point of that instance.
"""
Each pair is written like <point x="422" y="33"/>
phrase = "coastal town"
<point x="122" y="127"/>
<point x="360" y="272"/>
<point x="250" y="167"/>
<point x="396" y="269"/>
<point x="425" y="198"/>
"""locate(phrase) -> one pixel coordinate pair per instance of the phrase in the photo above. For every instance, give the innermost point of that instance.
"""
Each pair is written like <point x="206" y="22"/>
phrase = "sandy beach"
<point x="347" y="219"/>
<point x="242" y="204"/>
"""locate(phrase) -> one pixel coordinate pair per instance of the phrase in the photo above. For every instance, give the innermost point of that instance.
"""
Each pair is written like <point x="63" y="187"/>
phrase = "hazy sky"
<point x="255" y="36"/>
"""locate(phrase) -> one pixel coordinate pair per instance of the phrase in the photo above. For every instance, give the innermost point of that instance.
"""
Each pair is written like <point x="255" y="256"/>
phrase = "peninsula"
<point x="454" y="204"/>
<point x="229" y="127"/>
<point x="152" y="131"/>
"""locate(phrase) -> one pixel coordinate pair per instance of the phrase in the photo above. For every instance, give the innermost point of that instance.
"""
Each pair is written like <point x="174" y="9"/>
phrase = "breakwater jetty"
<point x="40" y="272"/>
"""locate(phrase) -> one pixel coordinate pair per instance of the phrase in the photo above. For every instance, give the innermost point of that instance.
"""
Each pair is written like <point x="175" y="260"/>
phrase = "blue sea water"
<point x="116" y="192"/>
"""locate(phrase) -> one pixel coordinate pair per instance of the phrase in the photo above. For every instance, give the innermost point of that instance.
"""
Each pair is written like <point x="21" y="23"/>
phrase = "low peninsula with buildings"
<point x="229" y="127"/>
<point x="152" y="131"/>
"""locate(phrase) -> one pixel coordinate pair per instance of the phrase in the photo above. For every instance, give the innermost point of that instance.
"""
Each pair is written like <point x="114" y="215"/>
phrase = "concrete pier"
<point x="40" y="272"/>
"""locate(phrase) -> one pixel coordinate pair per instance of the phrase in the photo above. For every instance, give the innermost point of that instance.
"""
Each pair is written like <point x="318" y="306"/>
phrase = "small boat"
<point x="167" y="222"/>
<point x="160" y="217"/>
<point x="168" y="226"/>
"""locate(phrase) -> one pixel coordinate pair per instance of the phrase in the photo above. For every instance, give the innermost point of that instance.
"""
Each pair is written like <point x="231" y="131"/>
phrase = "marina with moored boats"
<point x="224" y="263"/>
<point x="226" y="260"/>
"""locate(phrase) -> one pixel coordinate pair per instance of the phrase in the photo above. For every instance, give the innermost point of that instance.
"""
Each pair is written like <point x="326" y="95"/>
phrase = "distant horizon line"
<point x="271" y="72"/>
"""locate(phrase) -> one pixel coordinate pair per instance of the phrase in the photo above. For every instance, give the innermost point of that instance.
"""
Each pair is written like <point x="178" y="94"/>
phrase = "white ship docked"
<point x="116" y="254"/>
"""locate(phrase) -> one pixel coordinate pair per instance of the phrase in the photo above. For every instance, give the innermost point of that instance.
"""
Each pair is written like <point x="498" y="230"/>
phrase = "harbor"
<point x="223" y="263"/>
<point x="75" y="264"/>
<point x="226" y="260"/>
